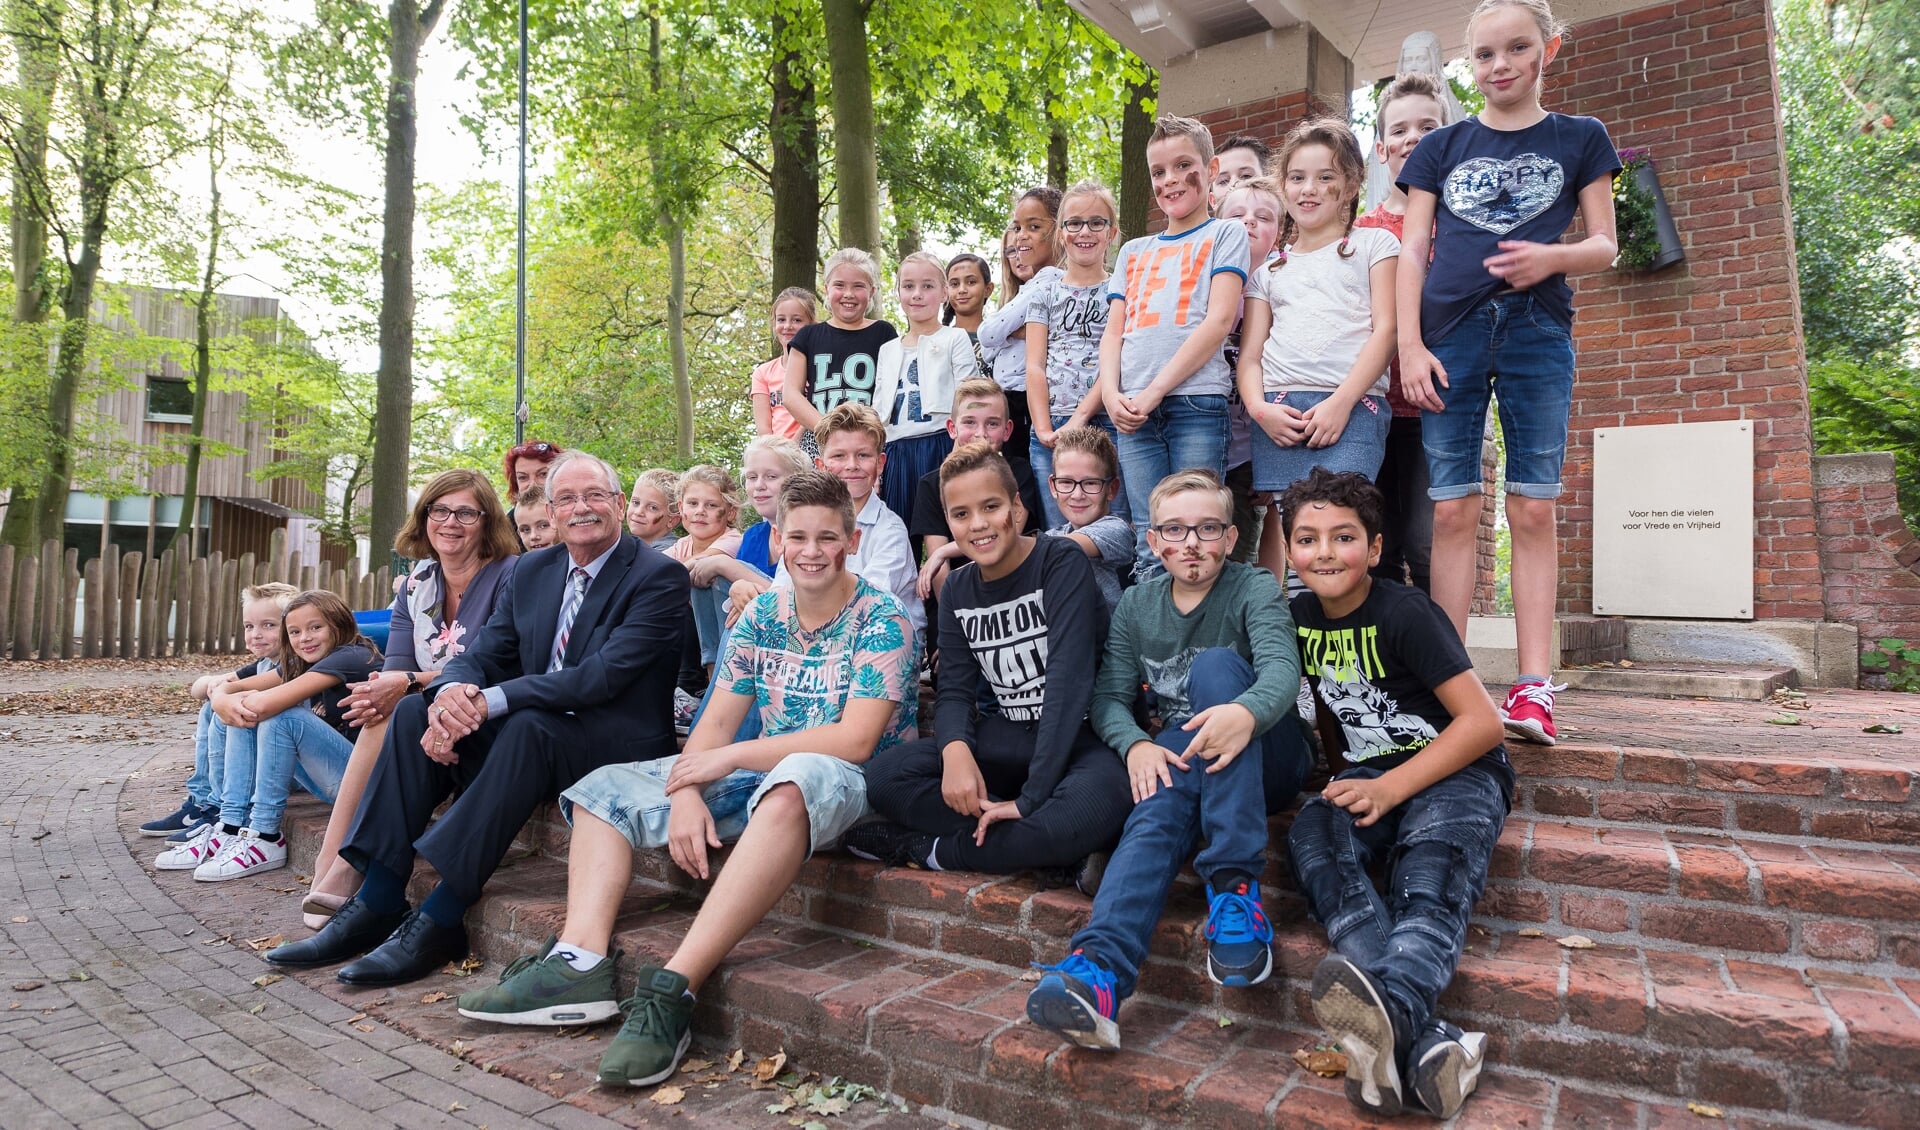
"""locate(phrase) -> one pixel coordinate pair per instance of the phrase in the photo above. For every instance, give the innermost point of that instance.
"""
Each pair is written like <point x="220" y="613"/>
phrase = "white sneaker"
<point x="193" y="851"/>
<point x="245" y="854"/>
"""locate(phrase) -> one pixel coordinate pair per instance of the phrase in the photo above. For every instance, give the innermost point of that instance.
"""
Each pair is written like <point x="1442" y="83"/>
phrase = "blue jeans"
<point x="209" y="758"/>
<point x="1230" y="808"/>
<point x="1361" y="446"/>
<point x="263" y="763"/>
<point x="1040" y="457"/>
<point x="1184" y="432"/>
<point x="1511" y="349"/>
<point x="710" y="618"/>
<point x="1438" y="843"/>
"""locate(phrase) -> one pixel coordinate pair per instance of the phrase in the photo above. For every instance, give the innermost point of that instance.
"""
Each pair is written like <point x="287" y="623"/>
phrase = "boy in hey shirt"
<point x="1173" y="298"/>
<point x="1425" y="785"/>
<point x="827" y="663"/>
<point x="1212" y="638"/>
<point x="1027" y="785"/>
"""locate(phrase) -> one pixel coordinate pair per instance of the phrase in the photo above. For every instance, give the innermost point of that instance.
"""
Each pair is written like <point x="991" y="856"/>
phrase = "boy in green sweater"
<point x="1213" y="639"/>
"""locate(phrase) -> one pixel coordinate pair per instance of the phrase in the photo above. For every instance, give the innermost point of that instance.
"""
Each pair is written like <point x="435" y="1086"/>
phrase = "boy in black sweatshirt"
<point x="1031" y="785"/>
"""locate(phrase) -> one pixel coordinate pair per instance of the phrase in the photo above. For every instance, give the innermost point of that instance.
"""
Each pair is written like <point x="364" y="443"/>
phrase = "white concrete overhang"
<point x="1369" y="32"/>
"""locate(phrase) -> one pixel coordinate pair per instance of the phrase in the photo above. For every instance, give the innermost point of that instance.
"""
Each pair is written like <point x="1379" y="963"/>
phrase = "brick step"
<point x="1770" y="792"/>
<point x="913" y="980"/>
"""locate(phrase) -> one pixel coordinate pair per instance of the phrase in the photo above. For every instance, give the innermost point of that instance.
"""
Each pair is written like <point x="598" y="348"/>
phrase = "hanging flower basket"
<point x="1649" y="241"/>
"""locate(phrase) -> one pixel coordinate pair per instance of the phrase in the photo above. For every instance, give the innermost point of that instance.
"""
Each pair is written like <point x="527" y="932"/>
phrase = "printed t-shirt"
<point x="1073" y="318"/>
<point x="1166" y="282"/>
<point x="769" y="380"/>
<point x="799" y="679"/>
<point x="1376" y="668"/>
<point x="352" y="663"/>
<point x="1322" y="313"/>
<point x="1495" y="185"/>
<point x="930" y="517"/>
<point x="911" y="416"/>
<point x="841" y="364"/>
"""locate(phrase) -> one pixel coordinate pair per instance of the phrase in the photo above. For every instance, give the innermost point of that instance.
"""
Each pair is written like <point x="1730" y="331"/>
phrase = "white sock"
<point x="932" y="862"/>
<point x="581" y="960"/>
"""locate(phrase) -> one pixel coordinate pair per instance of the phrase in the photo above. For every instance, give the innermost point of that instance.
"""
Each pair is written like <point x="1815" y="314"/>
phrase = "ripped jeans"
<point x="1438" y="844"/>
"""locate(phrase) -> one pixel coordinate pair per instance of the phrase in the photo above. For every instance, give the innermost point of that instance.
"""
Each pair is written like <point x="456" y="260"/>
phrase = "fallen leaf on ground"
<point x="1784" y="718"/>
<point x="28" y="986"/>
<point x="733" y="1061"/>
<point x="21" y="918"/>
<point x="364" y="1027"/>
<point x="668" y="1096"/>
<point x="556" y="1075"/>
<point x="1226" y="1022"/>
<point x="1626" y="663"/>
<point x="356" y="1018"/>
<point x="1705" y="1111"/>
<point x="266" y="979"/>
<point x="781" y="1107"/>
<point x="435" y="998"/>
<point x="266" y="943"/>
<point x="769" y="1067"/>
<point x="693" y="1065"/>
<point x="453" y="1106"/>
<point x="1577" y="942"/>
<point x="1882" y="728"/>
<point x="1533" y="932"/>
<point x="79" y="975"/>
<point x="1320" y="1061"/>
<point x="459" y="1049"/>
<point x="830" y="1107"/>
<point x="257" y="1009"/>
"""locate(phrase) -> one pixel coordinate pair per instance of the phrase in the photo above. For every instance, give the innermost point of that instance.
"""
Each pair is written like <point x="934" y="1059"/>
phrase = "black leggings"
<point x="1084" y="814"/>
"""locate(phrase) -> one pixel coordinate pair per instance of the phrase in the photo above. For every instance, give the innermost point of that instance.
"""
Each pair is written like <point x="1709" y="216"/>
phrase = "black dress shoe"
<point x="419" y="947"/>
<point x="353" y="930"/>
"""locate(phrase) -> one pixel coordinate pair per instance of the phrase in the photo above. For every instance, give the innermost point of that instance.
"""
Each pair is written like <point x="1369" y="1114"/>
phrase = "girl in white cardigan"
<point x="916" y="375"/>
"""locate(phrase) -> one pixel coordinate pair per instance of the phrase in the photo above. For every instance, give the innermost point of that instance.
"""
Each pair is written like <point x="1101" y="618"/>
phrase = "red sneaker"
<point x="1528" y="712"/>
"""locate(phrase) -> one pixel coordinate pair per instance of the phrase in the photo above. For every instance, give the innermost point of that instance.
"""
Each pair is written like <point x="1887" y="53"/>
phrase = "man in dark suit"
<point x="574" y="670"/>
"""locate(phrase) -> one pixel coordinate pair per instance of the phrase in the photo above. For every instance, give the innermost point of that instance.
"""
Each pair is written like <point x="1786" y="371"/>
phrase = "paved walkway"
<point x="130" y="998"/>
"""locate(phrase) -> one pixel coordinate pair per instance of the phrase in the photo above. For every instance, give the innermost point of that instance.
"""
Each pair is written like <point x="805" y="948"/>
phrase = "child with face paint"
<point x="1026" y="257"/>
<point x="1411" y="107"/>
<point x="836" y="362"/>
<point x="1490" y="197"/>
<point x="918" y="372"/>
<point x="1319" y="325"/>
<point x="1172" y="299"/>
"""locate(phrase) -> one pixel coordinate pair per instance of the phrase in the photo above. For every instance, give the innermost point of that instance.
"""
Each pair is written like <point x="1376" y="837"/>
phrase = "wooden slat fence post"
<point x="183" y="610"/>
<point x="130" y="604"/>
<point x="230" y="622"/>
<point x="6" y="595"/>
<point x="150" y="605"/>
<point x="277" y="555"/>
<point x="26" y="618"/>
<point x="90" y="630"/>
<point x="199" y="595"/>
<point x="69" y="603"/>
<point x="110" y="601"/>
<point x="50" y="577"/>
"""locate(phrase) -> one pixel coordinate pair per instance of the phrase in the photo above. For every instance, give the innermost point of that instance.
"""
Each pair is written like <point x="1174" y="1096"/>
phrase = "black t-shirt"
<point x="930" y="518"/>
<point x="1375" y="669"/>
<point x="1035" y="637"/>
<point x="841" y="364"/>
<point x="353" y="663"/>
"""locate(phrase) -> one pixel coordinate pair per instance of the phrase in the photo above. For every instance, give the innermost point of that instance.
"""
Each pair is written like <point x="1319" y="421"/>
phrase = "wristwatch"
<point x="413" y="682"/>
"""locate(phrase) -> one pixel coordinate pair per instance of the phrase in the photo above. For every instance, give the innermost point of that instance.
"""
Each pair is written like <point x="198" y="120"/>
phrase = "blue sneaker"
<point x="1239" y="937"/>
<point x="1075" y="1000"/>
<point x="188" y="818"/>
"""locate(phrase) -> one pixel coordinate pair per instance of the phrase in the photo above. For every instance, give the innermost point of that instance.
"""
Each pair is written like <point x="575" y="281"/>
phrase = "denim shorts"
<point x="633" y="797"/>
<point x="1361" y="446"/>
<point x="1510" y="348"/>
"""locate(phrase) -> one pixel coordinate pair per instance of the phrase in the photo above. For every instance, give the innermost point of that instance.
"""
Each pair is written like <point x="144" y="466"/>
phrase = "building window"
<point x="169" y="401"/>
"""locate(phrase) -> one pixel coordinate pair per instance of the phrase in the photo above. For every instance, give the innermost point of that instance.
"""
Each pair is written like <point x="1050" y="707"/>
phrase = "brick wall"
<point x="1718" y="337"/>
<point x="1869" y="555"/>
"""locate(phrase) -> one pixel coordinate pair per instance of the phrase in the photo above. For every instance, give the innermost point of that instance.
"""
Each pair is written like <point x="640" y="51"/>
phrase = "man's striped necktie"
<point x="576" y="592"/>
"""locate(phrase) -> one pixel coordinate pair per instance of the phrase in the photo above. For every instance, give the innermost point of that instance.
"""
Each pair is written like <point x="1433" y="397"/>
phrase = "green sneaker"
<point x="543" y="989"/>
<point x="658" y="1029"/>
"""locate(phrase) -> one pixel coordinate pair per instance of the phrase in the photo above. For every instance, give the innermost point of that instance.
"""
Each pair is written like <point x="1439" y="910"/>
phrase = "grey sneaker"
<point x="1446" y="1067"/>
<point x="1350" y="1005"/>
<point x="542" y="989"/>
<point x="658" y="1029"/>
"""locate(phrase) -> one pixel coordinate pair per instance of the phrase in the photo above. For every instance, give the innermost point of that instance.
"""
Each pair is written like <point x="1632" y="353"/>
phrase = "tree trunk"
<point x="1057" y="152"/>
<point x="1136" y="188"/>
<point x="856" y="163"/>
<point x="185" y="536"/>
<point x="408" y="25"/>
<point x="76" y="308"/>
<point x="676" y="234"/>
<point x="796" y="167"/>
<point x="33" y="27"/>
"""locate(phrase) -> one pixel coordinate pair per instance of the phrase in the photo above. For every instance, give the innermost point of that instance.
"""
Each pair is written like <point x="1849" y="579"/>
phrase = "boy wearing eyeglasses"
<point x="1084" y="482"/>
<point x="1213" y="639"/>
<point x="1026" y="784"/>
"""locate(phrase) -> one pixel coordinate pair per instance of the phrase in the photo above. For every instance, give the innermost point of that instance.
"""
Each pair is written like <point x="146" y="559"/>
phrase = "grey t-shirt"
<point x="1073" y="318"/>
<point x="1113" y="537"/>
<point x="1166" y="282"/>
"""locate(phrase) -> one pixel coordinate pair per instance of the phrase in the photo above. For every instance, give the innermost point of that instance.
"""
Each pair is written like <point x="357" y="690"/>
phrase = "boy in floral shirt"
<point x="832" y="666"/>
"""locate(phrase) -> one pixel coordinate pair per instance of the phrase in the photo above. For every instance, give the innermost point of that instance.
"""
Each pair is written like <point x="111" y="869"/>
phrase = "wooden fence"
<point x="121" y="606"/>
